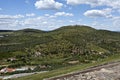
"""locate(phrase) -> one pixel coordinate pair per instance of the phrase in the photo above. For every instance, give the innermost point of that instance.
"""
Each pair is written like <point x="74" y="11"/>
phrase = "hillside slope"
<point x="81" y="37"/>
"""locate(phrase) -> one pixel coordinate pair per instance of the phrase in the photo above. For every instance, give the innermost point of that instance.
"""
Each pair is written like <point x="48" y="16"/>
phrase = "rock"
<point x="105" y="70"/>
<point x="89" y="77"/>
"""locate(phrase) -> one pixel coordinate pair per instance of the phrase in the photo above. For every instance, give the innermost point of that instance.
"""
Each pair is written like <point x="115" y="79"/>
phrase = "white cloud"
<point x="63" y="14"/>
<point x="47" y="15"/>
<point x="11" y="16"/>
<point x="59" y="14"/>
<point x="76" y="2"/>
<point x="48" y="4"/>
<point x="71" y="21"/>
<point x="18" y="16"/>
<point x="30" y="15"/>
<point x="39" y="22"/>
<point x="94" y="13"/>
<point x="99" y="13"/>
<point x="45" y="22"/>
<point x="100" y="25"/>
<point x="116" y="22"/>
<point x="110" y="3"/>
<point x="42" y="22"/>
<point x="10" y="21"/>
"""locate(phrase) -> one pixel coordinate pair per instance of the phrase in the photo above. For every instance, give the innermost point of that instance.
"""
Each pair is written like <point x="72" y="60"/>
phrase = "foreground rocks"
<point x="110" y="72"/>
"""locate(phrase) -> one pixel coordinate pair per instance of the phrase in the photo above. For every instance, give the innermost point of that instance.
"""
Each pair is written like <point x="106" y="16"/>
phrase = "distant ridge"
<point x="30" y="30"/>
<point x="6" y="30"/>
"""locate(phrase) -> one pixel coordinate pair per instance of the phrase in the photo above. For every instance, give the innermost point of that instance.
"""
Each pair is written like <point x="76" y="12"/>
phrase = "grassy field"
<point x="69" y="69"/>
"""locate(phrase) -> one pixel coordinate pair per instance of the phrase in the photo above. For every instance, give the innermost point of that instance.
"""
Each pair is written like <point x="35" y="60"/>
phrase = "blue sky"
<point x="52" y="14"/>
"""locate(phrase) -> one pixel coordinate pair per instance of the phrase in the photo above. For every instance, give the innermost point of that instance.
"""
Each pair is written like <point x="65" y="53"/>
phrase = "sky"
<point x="52" y="14"/>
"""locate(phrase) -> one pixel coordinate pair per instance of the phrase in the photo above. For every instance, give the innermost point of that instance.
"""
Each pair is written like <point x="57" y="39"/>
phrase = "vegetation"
<point x="63" y="47"/>
<point x="66" y="70"/>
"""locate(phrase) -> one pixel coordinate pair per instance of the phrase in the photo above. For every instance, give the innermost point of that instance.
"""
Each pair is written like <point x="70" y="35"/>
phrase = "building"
<point x="7" y="70"/>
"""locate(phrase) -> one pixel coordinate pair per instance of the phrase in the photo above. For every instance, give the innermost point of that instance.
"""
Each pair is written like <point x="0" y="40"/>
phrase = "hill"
<point x="28" y="30"/>
<point x="59" y="47"/>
